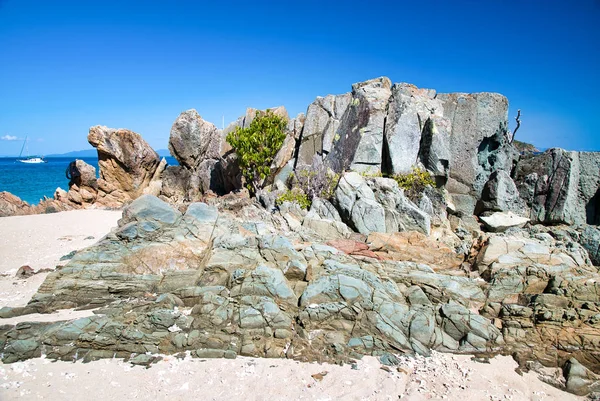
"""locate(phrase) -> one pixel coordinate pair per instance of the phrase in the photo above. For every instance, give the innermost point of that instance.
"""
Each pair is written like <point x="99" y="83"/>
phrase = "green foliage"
<point x="257" y="145"/>
<point x="294" y="195"/>
<point x="415" y="182"/>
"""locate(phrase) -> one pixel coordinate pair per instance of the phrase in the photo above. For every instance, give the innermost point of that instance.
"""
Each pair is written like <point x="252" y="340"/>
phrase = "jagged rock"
<point x="200" y="149"/>
<point x="359" y="143"/>
<point x="324" y="209"/>
<point x="323" y="119"/>
<point x="560" y="186"/>
<point x="377" y="204"/>
<point x="400" y="213"/>
<point x="416" y="132"/>
<point x="11" y="205"/>
<point x="499" y="221"/>
<point x="127" y="165"/>
<point x="176" y="184"/>
<point x="479" y="142"/>
<point x="83" y="184"/>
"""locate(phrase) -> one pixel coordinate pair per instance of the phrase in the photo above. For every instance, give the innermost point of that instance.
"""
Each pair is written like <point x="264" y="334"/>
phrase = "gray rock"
<point x="400" y="213"/>
<point x="416" y="131"/>
<point x="324" y="209"/>
<point x="560" y="186"/>
<point x="194" y="140"/>
<point x="580" y="380"/>
<point x="499" y="221"/>
<point x="478" y="141"/>
<point x="149" y="208"/>
<point x="500" y="194"/>
<point x="357" y="205"/>
<point x="359" y="144"/>
<point x="590" y="240"/>
<point x="323" y="119"/>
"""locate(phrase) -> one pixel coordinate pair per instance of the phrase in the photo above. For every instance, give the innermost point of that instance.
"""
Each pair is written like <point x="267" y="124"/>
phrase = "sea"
<point x="31" y="182"/>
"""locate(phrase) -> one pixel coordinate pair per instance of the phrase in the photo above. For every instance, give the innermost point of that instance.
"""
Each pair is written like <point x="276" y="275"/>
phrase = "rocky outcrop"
<point x="221" y="284"/>
<point x="217" y="285"/>
<point x="416" y="132"/>
<point x="560" y="186"/>
<point x="129" y="167"/>
<point x="197" y="146"/>
<point x="323" y="119"/>
<point x="83" y="184"/>
<point x="358" y="143"/>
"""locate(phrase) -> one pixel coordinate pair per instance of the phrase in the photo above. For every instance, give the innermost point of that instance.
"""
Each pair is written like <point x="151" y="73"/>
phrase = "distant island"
<point x="94" y="153"/>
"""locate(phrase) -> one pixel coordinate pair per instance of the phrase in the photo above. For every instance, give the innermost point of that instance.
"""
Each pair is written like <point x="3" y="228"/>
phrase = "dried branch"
<point x="518" y="118"/>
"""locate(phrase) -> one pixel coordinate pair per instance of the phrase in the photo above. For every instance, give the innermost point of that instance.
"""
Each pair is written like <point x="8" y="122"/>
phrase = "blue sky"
<point x="68" y="65"/>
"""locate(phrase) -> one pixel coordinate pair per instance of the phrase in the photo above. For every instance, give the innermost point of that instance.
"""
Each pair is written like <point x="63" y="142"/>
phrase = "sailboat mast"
<point x="23" y="147"/>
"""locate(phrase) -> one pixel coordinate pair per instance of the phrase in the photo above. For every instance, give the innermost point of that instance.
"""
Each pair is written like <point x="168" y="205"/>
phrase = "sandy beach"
<point x="41" y="240"/>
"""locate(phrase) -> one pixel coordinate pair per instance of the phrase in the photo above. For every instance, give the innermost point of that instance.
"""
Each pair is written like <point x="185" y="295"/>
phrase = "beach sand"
<point x="40" y="240"/>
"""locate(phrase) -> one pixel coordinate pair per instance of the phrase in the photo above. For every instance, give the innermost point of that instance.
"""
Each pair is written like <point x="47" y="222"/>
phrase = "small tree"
<point x="257" y="145"/>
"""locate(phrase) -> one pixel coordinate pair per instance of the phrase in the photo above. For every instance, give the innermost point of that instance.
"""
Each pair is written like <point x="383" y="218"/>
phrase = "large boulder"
<point x="358" y="142"/>
<point x="401" y="214"/>
<point x="357" y="205"/>
<point x="128" y="165"/>
<point x="378" y="204"/>
<point x="500" y="194"/>
<point x="194" y="140"/>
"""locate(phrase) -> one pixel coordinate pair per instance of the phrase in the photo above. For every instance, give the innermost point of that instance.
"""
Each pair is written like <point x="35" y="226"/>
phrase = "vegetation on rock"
<point x="415" y="182"/>
<point x="257" y="145"/>
<point x="316" y="180"/>
<point x="294" y="195"/>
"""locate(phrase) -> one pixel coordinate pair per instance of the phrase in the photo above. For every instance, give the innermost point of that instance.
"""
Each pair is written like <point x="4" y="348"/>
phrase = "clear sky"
<point x="68" y="65"/>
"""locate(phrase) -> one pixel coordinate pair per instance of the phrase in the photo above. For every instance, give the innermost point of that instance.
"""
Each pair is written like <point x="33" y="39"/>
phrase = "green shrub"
<point x="294" y="195"/>
<point x="257" y="145"/>
<point x="415" y="182"/>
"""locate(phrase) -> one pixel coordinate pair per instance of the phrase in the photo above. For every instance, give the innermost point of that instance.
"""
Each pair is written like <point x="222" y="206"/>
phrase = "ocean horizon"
<point x="31" y="182"/>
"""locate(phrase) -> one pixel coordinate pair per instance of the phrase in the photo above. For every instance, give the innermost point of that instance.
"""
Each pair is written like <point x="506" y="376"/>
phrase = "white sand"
<point x="41" y="240"/>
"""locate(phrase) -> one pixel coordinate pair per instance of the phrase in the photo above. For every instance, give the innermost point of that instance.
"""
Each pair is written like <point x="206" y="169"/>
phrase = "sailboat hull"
<point x="33" y="160"/>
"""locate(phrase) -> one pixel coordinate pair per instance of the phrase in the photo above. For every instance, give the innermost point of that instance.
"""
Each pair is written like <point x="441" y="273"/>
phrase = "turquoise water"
<point x="31" y="182"/>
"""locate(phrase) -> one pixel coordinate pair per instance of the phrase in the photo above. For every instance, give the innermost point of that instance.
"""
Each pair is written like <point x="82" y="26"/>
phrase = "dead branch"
<point x="518" y="118"/>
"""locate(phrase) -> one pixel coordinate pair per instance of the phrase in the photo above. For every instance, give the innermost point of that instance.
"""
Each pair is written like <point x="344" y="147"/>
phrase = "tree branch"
<point x="518" y="118"/>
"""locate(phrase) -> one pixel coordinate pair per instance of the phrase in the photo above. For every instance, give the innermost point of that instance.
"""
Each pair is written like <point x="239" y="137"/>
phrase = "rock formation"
<point x="499" y="257"/>
<point x="129" y="167"/>
<point x="222" y="284"/>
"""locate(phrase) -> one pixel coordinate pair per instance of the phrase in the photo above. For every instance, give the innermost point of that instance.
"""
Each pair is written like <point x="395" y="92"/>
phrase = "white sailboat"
<point x="30" y="159"/>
